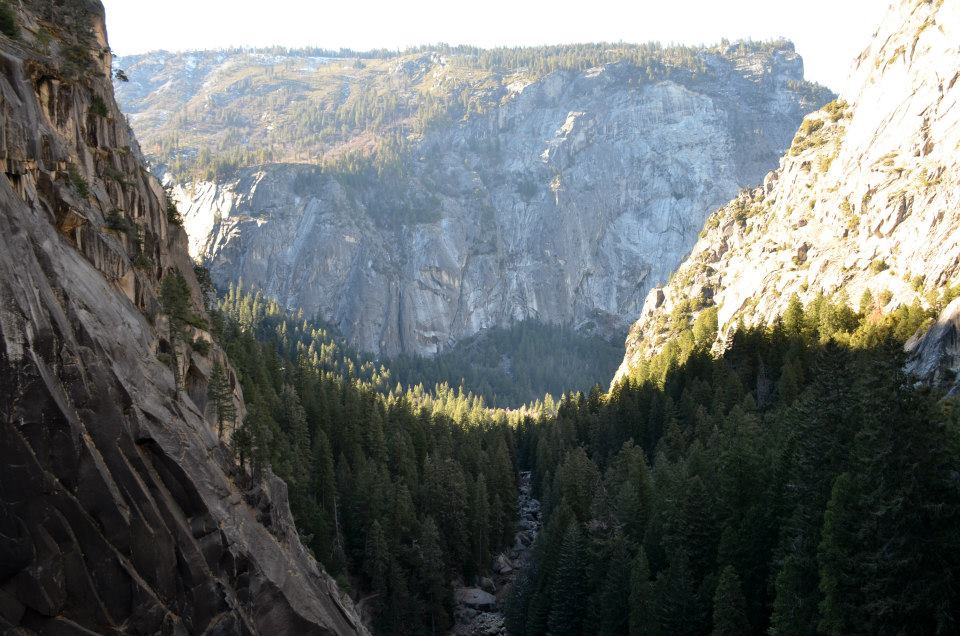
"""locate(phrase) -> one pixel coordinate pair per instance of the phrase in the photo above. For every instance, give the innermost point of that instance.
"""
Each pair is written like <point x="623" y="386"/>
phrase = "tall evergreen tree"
<point x="433" y="578"/>
<point x="377" y="565"/>
<point x="613" y="595"/>
<point x="568" y="593"/>
<point x="479" y="525"/>
<point x="890" y="541"/>
<point x="641" y="596"/>
<point x="729" y="606"/>
<point x="220" y="395"/>
<point x="678" y="609"/>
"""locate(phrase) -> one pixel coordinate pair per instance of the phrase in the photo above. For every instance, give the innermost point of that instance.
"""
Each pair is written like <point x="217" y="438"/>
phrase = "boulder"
<point x="488" y="585"/>
<point x="488" y="624"/>
<point x="502" y="565"/>
<point x="475" y="598"/>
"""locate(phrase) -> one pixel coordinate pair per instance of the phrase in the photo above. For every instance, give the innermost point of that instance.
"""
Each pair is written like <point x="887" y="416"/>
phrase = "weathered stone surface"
<point x="475" y="598"/>
<point x="566" y="202"/>
<point x="119" y="508"/>
<point x="935" y="354"/>
<point x="867" y="198"/>
<point x="502" y="565"/>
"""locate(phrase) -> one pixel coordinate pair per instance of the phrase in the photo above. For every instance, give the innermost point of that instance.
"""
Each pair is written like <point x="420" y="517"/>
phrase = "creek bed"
<point x="479" y="610"/>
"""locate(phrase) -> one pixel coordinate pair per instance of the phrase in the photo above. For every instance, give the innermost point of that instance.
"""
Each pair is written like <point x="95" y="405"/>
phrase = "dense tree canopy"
<point x="395" y="492"/>
<point x="517" y="365"/>
<point x="798" y="484"/>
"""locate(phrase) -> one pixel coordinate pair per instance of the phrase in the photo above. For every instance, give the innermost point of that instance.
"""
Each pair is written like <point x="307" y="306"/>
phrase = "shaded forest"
<point x="517" y="365"/>
<point x="798" y="484"/>
<point x="396" y="493"/>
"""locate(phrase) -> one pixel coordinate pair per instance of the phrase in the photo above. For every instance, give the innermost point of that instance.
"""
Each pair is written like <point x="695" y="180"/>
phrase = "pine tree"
<point x="220" y="395"/>
<point x="376" y="560"/>
<point x="839" y="552"/>
<point x="792" y="614"/>
<point x="888" y="552"/>
<point x="793" y="317"/>
<point x="293" y="423"/>
<point x="518" y="602"/>
<point x="641" y="596"/>
<point x="479" y="525"/>
<point x="397" y="607"/>
<point x="697" y="531"/>
<point x="613" y="596"/>
<point x="432" y="578"/>
<point x="445" y="499"/>
<point x="629" y="488"/>
<point x="568" y="597"/>
<point x="678" y="609"/>
<point x="729" y="606"/>
<point x="576" y="482"/>
<point x="328" y="542"/>
<point x="241" y="446"/>
<point x="821" y="427"/>
<point x="175" y="300"/>
<point x="261" y="432"/>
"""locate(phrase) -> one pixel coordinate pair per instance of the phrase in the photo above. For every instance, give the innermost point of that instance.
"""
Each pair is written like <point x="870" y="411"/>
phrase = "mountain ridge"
<point x="485" y="196"/>
<point x="860" y="203"/>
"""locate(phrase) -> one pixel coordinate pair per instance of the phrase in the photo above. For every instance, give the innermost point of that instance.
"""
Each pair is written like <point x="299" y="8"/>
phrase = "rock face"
<point x="565" y="200"/>
<point x="119" y="508"/>
<point x="935" y="354"/>
<point x="868" y="197"/>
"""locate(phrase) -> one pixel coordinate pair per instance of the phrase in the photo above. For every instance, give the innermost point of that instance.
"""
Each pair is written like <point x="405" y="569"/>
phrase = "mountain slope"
<point x="866" y="199"/>
<point x="461" y="190"/>
<point x="119" y="508"/>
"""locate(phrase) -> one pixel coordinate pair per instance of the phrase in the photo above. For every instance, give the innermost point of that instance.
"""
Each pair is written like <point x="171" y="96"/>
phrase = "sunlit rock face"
<point x="565" y="201"/>
<point x="867" y="198"/>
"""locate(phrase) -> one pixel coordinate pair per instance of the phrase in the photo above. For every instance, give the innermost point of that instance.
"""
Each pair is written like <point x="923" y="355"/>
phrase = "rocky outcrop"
<point x="564" y="199"/>
<point x="867" y="198"/>
<point x="935" y="353"/>
<point x="120" y="511"/>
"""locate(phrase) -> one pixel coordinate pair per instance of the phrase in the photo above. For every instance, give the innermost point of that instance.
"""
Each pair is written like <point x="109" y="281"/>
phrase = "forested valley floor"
<point x="797" y="483"/>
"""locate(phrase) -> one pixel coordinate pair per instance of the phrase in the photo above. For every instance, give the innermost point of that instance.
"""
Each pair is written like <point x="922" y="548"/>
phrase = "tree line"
<point x="396" y="492"/>
<point x="317" y="114"/>
<point x="799" y="484"/>
<point x="526" y="362"/>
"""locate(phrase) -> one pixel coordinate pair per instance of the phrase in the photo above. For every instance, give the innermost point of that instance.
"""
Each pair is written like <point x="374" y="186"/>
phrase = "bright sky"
<point x="828" y="33"/>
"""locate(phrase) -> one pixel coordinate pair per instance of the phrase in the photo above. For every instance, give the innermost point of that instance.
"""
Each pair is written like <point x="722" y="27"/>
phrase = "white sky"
<point x="828" y="33"/>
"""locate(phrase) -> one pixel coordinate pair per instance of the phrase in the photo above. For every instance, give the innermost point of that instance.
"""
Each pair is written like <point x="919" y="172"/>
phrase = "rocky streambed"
<point x="479" y="609"/>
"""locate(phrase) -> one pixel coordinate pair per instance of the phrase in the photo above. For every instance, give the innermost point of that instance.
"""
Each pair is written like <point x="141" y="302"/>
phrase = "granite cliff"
<point x="120" y="510"/>
<point x="561" y="195"/>
<point x="866" y="199"/>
